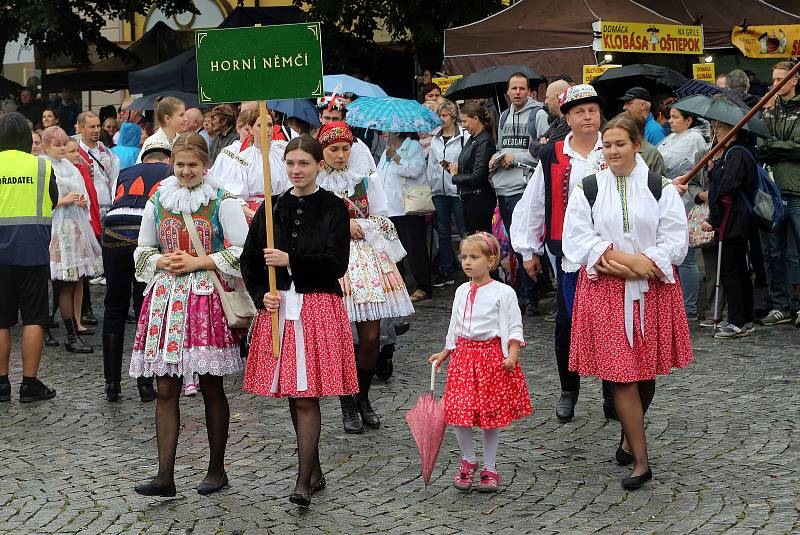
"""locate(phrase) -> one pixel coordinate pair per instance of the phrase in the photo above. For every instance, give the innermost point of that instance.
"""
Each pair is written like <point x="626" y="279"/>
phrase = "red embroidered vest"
<point x="556" y="167"/>
<point x="358" y="203"/>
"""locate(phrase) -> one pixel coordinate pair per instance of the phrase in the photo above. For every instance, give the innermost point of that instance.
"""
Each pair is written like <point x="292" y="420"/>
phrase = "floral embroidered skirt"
<point x="373" y="287"/>
<point x="330" y="363"/>
<point x="479" y="391"/>
<point x="209" y="345"/>
<point x="599" y="345"/>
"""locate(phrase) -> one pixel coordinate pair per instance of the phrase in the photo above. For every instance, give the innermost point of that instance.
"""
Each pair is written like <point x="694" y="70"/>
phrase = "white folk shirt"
<point x="241" y="172"/>
<point x="626" y="217"/>
<point x="159" y="137"/>
<point x="494" y="313"/>
<point x="528" y="223"/>
<point x="105" y="171"/>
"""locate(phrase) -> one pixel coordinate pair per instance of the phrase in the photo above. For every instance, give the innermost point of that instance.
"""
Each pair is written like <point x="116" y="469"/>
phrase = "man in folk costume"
<point x="98" y="159"/>
<point x="539" y="220"/>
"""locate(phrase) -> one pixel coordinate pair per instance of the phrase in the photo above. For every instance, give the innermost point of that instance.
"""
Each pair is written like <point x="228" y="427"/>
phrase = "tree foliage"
<point x="418" y="24"/>
<point x="70" y="27"/>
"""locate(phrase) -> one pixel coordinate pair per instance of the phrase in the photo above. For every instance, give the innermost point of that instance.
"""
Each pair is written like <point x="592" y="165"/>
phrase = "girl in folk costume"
<point x="312" y="244"/>
<point x="628" y="322"/>
<point x="74" y="250"/>
<point x="239" y="170"/>
<point x="182" y="328"/>
<point x="373" y="287"/>
<point x="170" y="118"/>
<point x="485" y="386"/>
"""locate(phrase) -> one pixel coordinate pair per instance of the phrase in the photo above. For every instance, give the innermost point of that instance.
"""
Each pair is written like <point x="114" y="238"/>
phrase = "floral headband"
<point x="335" y="132"/>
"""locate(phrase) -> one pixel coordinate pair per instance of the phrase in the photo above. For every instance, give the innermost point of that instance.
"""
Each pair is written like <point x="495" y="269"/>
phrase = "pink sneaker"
<point x="488" y="482"/>
<point x="190" y="389"/>
<point x="465" y="475"/>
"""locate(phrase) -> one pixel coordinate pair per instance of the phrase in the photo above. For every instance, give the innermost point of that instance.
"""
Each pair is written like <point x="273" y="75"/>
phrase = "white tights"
<point x="491" y="438"/>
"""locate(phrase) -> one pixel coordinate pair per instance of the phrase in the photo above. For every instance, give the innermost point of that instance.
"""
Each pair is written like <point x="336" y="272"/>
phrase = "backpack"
<point x="531" y="119"/>
<point x="654" y="184"/>
<point x="767" y="204"/>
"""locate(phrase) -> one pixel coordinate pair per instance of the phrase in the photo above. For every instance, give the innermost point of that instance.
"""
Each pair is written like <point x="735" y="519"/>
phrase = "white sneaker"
<point x="190" y="390"/>
<point x="732" y="331"/>
<point x="775" y="317"/>
<point x="98" y="281"/>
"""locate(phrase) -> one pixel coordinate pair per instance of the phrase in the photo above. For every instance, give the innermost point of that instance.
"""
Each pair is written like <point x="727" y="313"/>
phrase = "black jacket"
<point x="314" y="230"/>
<point x="473" y="164"/>
<point x="731" y="177"/>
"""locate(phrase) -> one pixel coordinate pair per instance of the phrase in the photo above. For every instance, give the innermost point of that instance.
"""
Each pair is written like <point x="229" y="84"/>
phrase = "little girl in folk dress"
<point x="485" y="386"/>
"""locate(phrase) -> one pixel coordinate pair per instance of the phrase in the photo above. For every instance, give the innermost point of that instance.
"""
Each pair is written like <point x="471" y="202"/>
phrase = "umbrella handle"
<point x="433" y="377"/>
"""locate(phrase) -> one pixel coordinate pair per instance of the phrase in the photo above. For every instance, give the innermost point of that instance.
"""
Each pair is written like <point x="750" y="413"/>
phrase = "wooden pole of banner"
<point x="265" y="143"/>
<point x="722" y="142"/>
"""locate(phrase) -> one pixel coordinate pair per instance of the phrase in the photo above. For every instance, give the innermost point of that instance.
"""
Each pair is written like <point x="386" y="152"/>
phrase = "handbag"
<point x="417" y="200"/>
<point x="237" y="304"/>
<point x="697" y="236"/>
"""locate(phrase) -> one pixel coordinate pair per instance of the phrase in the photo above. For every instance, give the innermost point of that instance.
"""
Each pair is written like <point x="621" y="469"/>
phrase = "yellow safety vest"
<point x="24" y="189"/>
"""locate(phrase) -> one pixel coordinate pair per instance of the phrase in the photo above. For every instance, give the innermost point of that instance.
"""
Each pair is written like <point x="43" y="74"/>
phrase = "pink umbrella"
<point x="426" y="421"/>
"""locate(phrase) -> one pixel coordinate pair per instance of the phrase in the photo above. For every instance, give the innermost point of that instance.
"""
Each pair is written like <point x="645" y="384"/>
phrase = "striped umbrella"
<point x="390" y="114"/>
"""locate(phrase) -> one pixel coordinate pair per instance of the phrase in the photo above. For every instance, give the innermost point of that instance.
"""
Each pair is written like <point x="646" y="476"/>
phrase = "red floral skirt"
<point x="599" y="345"/>
<point x="479" y="391"/>
<point x="330" y="359"/>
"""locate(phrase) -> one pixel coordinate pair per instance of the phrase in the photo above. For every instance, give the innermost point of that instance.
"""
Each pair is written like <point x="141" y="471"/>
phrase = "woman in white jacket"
<point x="403" y="165"/>
<point x="446" y="145"/>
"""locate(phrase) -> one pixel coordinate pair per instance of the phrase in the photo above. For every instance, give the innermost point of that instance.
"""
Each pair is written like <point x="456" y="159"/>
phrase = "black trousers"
<point x="411" y="230"/>
<point x="735" y="279"/>
<point x="121" y="283"/>
<point x="570" y="381"/>
<point x="478" y="210"/>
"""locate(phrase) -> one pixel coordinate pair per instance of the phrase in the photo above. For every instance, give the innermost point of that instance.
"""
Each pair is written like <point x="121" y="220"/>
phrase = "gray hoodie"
<point x="513" y="135"/>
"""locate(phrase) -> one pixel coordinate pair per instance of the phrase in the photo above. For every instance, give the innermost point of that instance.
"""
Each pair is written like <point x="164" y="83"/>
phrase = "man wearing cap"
<point x="28" y="194"/>
<point x="637" y="100"/>
<point x="539" y="215"/>
<point x="136" y="184"/>
<point x="333" y="108"/>
<point x="223" y="120"/>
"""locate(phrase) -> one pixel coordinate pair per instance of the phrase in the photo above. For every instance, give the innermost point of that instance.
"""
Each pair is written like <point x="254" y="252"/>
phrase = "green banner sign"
<point x="259" y="63"/>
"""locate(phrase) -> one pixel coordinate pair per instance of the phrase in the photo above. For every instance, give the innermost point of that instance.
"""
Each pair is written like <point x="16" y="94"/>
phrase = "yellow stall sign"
<point x="767" y="41"/>
<point x="444" y="82"/>
<point x="703" y="71"/>
<point x="650" y="38"/>
<point x="590" y="72"/>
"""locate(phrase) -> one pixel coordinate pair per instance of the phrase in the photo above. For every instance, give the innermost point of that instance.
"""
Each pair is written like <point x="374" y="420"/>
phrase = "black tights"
<point x="306" y="421"/>
<point x="369" y="335"/>
<point x="66" y="299"/>
<point x="168" y="423"/>
<point x="632" y="401"/>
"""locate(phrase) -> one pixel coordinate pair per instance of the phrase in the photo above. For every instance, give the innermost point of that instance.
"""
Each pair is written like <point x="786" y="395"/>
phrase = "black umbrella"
<point x="148" y="102"/>
<point x="659" y="80"/>
<point x="720" y="110"/>
<point x="8" y="88"/>
<point x="484" y="83"/>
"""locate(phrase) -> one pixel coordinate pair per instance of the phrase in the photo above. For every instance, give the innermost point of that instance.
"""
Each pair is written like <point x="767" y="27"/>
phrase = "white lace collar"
<point x="339" y="181"/>
<point x="177" y="198"/>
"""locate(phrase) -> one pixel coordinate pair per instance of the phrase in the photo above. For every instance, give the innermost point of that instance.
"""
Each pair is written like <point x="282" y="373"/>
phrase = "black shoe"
<point x="350" y="419"/>
<point x="205" y="488"/>
<point x="368" y="416"/>
<point x="565" y="408"/>
<point x="49" y="339"/>
<point x="146" y="391"/>
<point x="609" y="409"/>
<point x="74" y="344"/>
<point x="298" y="498"/>
<point x="443" y="280"/>
<point x="155" y="489"/>
<point x="113" y="391"/>
<point x="5" y="391"/>
<point x="636" y="482"/>
<point x="319" y="485"/>
<point x="88" y="318"/>
<point x="532" y="309"/>
<point x="385" y="362"/>
<point x="401" y="328"/>
<point x="623" y="457"/>
<point x="36" y="391"/>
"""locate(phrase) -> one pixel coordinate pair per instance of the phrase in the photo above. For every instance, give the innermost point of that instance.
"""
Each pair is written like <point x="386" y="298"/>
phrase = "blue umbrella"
<point x="300" y="108"/>
<point x="390" y="114"/>
<point x="351" y="85"/>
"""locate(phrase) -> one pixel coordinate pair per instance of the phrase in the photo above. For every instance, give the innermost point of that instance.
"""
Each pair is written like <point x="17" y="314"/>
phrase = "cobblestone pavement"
<point x="722" y="435"/>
